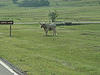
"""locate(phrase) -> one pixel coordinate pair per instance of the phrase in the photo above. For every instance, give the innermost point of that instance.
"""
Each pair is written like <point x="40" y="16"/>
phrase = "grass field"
<point x="86" y="13"/>
<point x="74" y="51"/>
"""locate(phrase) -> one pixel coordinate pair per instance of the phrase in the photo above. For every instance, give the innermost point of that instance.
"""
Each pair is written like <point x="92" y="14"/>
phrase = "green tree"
<point x="53" y="15"/>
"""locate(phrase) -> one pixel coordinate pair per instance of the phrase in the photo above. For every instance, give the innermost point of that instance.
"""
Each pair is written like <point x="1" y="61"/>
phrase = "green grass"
<point x="74" y="3"/>
<point x="87" y="13"/>
<point x="84" y="10"/>
<point x="74" y="51"/>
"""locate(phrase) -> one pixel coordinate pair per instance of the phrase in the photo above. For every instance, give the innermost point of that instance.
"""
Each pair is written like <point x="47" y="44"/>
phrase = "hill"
<point x="59" y="3"/>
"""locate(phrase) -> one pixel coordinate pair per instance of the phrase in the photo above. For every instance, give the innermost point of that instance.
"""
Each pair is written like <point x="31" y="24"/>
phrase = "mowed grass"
<point x="74" y="51"/>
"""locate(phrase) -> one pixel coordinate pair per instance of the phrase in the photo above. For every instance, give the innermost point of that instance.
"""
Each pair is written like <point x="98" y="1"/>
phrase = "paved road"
<point x="72" y="22"/>
<point x="7" y="69"/>
<point x="4" y="71"/>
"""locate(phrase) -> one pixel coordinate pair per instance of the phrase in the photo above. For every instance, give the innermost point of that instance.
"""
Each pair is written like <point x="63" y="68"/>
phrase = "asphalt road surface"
<point x="4" y="71"/>
<point x="7" y="68"/>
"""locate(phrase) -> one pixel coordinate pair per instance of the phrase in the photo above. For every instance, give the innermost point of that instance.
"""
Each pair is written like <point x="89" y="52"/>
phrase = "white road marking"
<point x="7" y="67"/>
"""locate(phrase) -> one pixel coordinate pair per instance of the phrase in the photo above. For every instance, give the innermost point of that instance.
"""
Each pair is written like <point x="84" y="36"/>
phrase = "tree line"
<point x="31" y="3"/>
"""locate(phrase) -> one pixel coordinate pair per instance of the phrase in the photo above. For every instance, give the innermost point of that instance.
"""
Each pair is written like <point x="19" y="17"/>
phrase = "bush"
<point x="53" y="15"/>
<point x="32" y="3"/>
